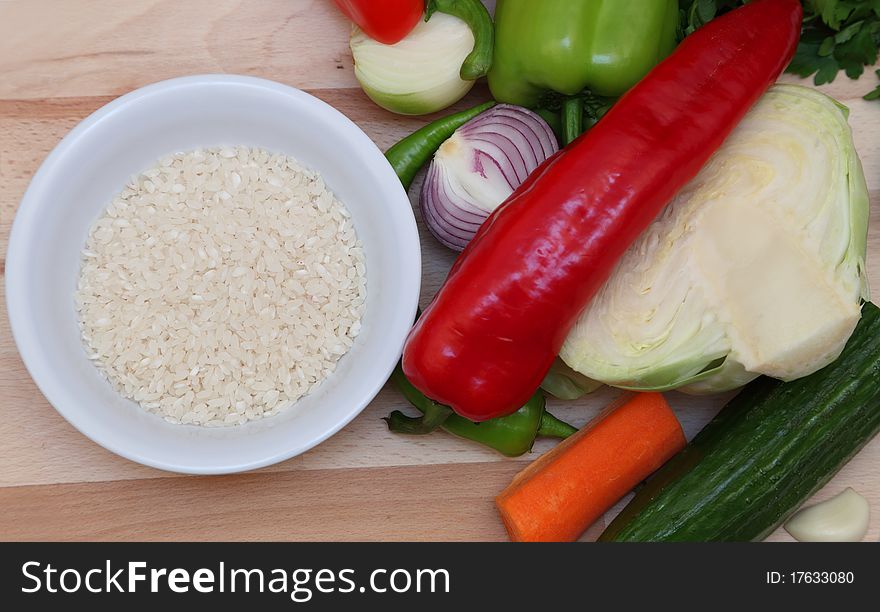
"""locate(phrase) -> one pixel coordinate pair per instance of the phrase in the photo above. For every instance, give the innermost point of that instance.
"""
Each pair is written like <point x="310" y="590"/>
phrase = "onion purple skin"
<point x="453" y="225"/>
<point x="506" y="141"/>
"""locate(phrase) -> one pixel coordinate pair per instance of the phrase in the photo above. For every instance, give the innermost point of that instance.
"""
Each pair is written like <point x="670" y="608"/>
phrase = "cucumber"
<point x="767" y="451"/>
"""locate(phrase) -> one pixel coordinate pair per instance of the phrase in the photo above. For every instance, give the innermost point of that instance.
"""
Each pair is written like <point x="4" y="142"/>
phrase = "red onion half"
<point x="478" y="168"/>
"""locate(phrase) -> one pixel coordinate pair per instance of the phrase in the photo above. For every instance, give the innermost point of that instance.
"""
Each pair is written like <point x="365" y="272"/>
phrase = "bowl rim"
<point x="22" y="324"/>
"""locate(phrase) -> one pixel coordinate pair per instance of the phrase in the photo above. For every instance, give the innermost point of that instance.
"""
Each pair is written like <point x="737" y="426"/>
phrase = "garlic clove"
<point x="843" y="518"/>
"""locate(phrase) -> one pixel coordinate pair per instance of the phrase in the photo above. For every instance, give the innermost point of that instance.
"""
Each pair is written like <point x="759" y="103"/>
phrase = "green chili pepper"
<point x="512" y="435"/>
<point x="414" y="151"/>
<point x="566" y="46"/>
<point x="475" y="15"/>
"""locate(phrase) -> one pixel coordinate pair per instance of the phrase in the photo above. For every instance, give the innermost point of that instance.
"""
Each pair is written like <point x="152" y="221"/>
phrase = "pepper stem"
<point x="552" y="427"/>
<point x="572" y="119"/>
<point x="475" y="15"/>
<point x="433" y="414"/>
<point x="433" y="418"/>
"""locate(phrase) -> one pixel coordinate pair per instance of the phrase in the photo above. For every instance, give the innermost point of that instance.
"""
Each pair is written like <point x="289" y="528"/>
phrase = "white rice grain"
<point x="220" y="286"/>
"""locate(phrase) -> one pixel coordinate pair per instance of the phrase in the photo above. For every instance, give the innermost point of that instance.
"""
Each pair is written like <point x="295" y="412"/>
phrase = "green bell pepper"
<point x="511" y="435"/>
<point x="565" y="46"/>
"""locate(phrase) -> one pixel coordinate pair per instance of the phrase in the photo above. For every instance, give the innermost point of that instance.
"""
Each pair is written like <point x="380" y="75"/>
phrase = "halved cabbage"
<point x="756" y="267"/>
<point x="564" y="383"/>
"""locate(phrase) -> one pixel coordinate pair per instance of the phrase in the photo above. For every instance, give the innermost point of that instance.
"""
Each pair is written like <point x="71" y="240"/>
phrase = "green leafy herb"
<point x="837" y="35"/>
<point x="697" y="13"/>
<point x="875" y="93"/>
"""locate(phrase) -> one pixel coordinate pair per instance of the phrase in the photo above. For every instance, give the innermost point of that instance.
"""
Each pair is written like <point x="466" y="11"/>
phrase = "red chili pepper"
<point x="387" y="21"/>
<point x="486" y="341"/>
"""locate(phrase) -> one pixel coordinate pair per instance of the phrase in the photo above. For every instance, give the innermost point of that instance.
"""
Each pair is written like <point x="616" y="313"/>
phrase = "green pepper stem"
<point x="572" y="119"/>
<point x="433" y="418"/>
<point x="475" y="15"/>
<point x="552" y="427"/>
<point x="433" y="414"/>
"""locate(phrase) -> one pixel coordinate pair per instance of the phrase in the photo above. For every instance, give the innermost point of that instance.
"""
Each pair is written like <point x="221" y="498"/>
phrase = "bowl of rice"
<point x="212" y="274"/>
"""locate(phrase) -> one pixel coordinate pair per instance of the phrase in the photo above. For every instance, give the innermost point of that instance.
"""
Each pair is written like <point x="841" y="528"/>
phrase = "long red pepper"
<point x="488" y="338"/>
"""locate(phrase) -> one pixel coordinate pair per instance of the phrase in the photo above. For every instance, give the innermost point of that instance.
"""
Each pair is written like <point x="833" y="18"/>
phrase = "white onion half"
<point x="419" y="74"/>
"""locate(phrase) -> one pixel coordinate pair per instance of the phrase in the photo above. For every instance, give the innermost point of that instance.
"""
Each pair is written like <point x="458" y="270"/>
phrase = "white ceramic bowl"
<point x="89" y="166"/>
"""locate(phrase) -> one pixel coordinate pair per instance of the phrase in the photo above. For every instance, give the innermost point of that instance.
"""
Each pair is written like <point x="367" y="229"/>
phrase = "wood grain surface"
<point x="63" y="59"/>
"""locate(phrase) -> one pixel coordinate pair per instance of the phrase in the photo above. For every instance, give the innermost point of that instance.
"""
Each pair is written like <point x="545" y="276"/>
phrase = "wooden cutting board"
<point x="61" y="61"/>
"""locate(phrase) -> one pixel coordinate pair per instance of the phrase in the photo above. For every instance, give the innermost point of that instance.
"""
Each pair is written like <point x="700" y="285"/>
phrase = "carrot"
<point x="558" y="496"/>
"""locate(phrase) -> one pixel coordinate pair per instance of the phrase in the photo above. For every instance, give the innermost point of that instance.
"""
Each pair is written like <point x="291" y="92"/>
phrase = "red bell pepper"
<point x="486" y="341"/>
<point x="387" y="21"/>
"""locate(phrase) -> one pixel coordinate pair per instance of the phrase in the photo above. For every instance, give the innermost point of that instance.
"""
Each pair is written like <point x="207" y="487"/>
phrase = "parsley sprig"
<point x="836" y="35"/>
<point x="875" y="93"/>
